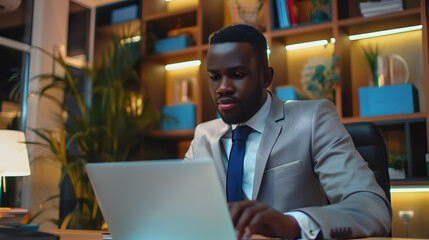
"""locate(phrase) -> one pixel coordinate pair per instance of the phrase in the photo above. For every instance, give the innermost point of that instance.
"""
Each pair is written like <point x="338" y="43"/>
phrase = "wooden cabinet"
<point x="163" y="19"/>
<point x="200" y="18"/>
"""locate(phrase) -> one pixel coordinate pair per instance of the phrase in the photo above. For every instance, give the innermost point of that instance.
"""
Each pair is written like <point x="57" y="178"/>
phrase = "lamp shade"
<point x="13" y="154"/>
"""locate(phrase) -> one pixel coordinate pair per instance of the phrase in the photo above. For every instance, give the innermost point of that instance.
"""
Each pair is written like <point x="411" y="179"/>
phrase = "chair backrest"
<point x="369" y="142"/>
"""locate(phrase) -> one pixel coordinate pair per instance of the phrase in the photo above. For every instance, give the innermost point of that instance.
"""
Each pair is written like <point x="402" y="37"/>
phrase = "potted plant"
<point x="102" y="127"/>
<point x="371" y="55"/>
<point x="397" y="165"/>
<point x="317" y="10"/>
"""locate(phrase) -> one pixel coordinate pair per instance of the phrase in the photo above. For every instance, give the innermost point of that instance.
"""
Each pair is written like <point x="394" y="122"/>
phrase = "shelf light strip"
<point x="173" y="66"/>
<point x="308" y="44"/>
<point x="408" y="189"/>
<point x="353" y="37"/>
<point x="131" y="39"/>
<point x="385" y="32"/>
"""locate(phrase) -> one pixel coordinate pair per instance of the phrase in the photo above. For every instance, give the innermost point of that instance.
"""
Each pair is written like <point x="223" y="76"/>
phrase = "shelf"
<point x="181" y="134"/>
<point x="302" y="29"/>
<point x="120" y="27"/>
<point x="402" y="117"/>
<point x="163" y="15"/>
<point x="407" y="183"/>
<point x="162" y="56"/>
<point x="205" y="47"/>
<point x="359" y="20"/>
<point x="187" y="19"/>
<point x="407" y="132"/>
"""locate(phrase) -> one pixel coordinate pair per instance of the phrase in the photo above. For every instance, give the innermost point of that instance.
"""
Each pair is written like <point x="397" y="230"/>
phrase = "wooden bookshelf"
<point x="344" y="20"/>
<point x="359" y="20"/>
<point x="419" y="115"/>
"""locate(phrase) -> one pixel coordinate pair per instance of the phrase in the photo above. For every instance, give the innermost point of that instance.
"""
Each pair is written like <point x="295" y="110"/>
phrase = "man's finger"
<point x="237" y="208"/>
<point x="260" y="223"/>
<point x="247" y="216"/>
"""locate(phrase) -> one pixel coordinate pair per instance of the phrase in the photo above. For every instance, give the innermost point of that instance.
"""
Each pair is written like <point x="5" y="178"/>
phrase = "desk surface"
<point x="67" y="234"/>
<point x="77" y="234"/>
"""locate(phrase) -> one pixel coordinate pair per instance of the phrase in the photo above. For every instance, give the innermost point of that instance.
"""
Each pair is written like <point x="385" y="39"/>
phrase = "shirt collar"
<point x="257" y="121"/>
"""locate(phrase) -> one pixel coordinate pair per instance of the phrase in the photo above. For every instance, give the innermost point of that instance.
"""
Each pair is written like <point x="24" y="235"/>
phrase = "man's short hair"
<point x="242" y="33"/>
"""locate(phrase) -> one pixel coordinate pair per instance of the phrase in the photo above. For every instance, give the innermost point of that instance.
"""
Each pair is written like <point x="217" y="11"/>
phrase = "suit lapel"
<point x="270" y="135"/>
<point x="217" y="150"/>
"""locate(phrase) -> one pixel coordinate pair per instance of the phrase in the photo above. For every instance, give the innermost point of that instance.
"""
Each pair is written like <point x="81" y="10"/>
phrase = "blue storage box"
<point x="388" y="100"/>
<point x="125" y="14"/>
<point x="288" y="93"/>
<point x="172" y="44"/>
<point x="178" y="117"/>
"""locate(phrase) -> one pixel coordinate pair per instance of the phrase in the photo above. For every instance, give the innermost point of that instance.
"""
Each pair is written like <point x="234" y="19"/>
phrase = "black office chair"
<point x="369" y="142"/>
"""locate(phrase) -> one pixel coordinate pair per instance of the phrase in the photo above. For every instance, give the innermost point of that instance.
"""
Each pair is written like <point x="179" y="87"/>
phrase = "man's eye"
<point x="214" y="77"/>
<point x="238" y="75"/>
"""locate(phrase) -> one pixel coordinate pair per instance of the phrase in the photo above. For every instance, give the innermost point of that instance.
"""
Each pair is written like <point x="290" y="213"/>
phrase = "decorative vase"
<point x="246" y="12"/>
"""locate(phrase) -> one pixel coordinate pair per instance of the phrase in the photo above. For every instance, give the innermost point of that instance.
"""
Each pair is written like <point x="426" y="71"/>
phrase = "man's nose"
<point x="226" y="86"/>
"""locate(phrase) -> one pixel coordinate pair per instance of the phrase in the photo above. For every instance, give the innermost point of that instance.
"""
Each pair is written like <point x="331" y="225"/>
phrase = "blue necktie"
<point x="235" y="163"/>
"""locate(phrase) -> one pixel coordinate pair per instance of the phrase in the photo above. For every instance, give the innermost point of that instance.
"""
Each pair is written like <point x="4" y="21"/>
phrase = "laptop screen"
<point x="164" y="199"/>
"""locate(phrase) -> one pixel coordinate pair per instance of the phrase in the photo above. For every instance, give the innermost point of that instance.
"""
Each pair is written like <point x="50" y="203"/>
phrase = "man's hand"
<point x="251" y="217"/>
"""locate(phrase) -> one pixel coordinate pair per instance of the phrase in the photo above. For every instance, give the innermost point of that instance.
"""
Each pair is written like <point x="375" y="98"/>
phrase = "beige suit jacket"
<point x="306" y="161"/>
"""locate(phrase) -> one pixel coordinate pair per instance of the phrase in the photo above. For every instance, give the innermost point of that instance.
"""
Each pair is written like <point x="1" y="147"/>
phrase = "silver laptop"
<point x="165" y="199"/>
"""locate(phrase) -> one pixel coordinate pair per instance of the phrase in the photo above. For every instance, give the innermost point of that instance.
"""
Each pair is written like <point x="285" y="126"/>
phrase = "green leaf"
<point x="98" y="127"/>
<point x="313" y="87"/>
<point x="371" y="54"/>
<point x="335" y="78"/>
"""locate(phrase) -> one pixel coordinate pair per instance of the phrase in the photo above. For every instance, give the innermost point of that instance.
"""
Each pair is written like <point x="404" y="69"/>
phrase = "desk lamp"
<point x="13" y="156"/>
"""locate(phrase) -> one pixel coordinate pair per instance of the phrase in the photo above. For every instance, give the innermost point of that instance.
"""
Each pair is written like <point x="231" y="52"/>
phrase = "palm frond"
<point x="100" y="131"/>
<point x="42" y="210"/>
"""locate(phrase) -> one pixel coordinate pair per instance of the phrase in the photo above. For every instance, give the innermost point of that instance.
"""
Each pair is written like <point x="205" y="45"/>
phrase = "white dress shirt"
<point x="309" y="228"/>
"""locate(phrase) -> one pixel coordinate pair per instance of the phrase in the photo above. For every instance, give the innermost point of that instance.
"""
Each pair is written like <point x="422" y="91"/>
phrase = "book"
<point x="12" y="215"/>
<point x="282" y="14"/>
<point x="371" y="9"/>
<point x="291" y="12"/>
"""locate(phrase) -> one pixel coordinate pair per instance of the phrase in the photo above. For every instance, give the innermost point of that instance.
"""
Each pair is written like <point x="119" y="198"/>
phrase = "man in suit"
<point x="301" y="176"/>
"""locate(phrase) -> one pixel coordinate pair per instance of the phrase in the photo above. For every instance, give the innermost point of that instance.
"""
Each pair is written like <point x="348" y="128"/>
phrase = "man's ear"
<point x="268" y="76"/>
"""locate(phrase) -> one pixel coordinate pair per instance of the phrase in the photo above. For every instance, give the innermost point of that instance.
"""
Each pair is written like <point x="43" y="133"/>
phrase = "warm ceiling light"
<point x="385" y="32"/>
